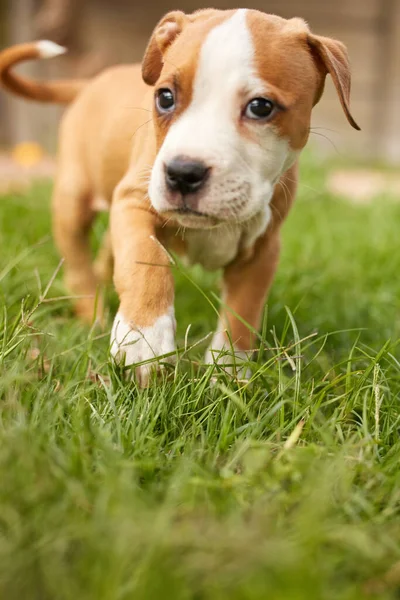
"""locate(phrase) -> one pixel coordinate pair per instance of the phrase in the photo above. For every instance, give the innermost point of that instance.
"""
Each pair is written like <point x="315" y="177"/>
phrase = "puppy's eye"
<point x="259" y="108"/>
<point x="165" y="101"/>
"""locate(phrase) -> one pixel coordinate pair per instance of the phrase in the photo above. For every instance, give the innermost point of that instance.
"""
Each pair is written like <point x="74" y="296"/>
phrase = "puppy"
<point x="194" y="151"/>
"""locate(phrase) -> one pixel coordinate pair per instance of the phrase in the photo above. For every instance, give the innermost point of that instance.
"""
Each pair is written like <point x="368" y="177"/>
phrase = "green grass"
<point x="193" y="490"/>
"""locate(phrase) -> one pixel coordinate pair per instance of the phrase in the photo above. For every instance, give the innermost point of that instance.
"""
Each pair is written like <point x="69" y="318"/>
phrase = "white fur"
<point x="212" y="248"/>
<point x="222" y="352"/>
<point x="131" y="345"/>
<point x="49" y="49"/>
<point x="244" y="172"/>
<point x="217" y="247"/>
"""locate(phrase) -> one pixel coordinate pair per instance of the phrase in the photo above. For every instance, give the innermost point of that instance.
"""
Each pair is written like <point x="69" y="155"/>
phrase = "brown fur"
<point x="109" y="139"/>
<point x="61" y="92"/>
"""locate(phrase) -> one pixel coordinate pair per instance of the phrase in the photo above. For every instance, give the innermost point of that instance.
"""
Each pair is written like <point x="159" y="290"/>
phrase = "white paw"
<point x="222" y="352"/>
<point x="132" y="345"/>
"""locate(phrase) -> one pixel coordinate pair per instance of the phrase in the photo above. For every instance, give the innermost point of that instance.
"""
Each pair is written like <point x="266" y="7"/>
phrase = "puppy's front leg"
<point x="246" y="285"/>
<point x="144" y="327"/>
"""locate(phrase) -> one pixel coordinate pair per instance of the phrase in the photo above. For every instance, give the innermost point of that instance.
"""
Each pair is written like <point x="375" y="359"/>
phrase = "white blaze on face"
<point x="243" y="172"/>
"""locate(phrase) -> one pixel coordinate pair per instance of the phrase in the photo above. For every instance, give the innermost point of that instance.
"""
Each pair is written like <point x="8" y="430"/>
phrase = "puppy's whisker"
<point x="138" y="108"/>
<point x="329" y="140"/>
<point x="302" y="184"/>
<point x="286" y="190"/>
<point x="324" y="128"/>
<point x="140" y="126"/>
<point x="167" y="221"/>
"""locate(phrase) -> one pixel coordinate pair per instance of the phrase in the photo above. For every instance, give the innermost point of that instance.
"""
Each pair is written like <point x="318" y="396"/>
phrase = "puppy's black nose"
<point x="186" y="175"/>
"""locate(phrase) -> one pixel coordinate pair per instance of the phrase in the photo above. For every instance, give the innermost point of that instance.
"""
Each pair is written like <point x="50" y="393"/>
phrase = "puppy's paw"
<point x="233" y="360"/>
<point x="131" y="345"/>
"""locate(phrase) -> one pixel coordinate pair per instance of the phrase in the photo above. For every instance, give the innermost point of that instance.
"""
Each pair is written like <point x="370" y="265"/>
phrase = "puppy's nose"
<point x="186" y="175"/>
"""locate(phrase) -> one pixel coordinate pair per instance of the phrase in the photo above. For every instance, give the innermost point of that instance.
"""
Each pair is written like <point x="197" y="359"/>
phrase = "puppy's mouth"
<point x="185" y="210"/>
<point x="188" y="217"/>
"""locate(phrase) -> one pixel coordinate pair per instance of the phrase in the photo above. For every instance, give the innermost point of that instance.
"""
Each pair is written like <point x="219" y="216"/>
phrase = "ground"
<point x="285" y="487"/>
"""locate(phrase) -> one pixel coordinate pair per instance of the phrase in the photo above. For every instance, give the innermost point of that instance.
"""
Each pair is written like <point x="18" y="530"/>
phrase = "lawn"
<point x="283" y="488"/>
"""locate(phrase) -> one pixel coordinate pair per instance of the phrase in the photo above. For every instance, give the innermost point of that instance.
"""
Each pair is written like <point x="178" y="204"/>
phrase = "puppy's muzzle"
<point x="185" y="175"/>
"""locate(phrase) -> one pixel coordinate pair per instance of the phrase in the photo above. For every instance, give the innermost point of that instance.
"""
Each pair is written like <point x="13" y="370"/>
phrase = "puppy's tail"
<point x="60" y="92"/>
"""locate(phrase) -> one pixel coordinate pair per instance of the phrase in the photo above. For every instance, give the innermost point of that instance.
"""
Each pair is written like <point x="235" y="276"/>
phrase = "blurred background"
<point x="103" y="32"/>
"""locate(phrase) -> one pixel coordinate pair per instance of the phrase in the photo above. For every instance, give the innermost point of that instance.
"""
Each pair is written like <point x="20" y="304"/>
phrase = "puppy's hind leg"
<point x="104" y="263"/>
<point x="72" y="219"/>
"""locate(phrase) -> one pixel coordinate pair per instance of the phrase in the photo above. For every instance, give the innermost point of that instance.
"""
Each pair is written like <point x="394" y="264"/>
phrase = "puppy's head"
<point x="233" y="94"/>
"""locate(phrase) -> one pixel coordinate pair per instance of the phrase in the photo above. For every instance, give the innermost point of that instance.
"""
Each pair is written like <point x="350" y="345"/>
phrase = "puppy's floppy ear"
<point x="166" y="31"/>
<point x="331" y="57"/>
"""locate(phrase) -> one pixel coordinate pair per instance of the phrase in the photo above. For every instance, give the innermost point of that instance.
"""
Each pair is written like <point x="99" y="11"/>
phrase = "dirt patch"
<point x="362" y="186"/>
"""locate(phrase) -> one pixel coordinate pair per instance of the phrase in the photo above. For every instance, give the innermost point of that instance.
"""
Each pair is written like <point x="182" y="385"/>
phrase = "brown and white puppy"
<point x="195" y="151"/>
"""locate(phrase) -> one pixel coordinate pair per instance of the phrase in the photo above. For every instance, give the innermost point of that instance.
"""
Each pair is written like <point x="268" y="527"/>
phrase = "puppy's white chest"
<point x="216" y="248"/>
<point x="212" y="248"/>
